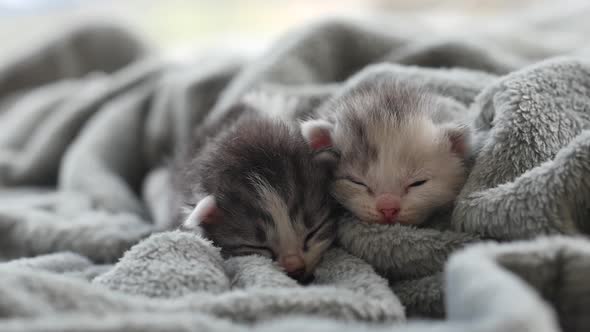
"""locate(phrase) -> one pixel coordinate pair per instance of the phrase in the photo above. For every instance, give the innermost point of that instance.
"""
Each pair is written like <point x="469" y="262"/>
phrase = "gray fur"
<point x="253" y="152"/>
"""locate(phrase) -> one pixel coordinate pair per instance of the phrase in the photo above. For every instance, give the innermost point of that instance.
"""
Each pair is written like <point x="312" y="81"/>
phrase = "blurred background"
<point x="172" y="24"/>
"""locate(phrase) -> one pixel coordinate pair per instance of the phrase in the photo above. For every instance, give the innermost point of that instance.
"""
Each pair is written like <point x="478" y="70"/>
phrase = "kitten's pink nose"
<point x="294" y="265"/>
<point x="388" y="205"/>
<point x="389" y="214"/>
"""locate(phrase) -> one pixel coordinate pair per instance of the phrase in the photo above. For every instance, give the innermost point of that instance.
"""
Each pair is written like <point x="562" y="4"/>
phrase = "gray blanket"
<point x="89" y="120"/>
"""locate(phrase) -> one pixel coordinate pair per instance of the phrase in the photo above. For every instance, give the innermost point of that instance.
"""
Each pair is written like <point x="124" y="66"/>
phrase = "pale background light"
<point x="206" y="23"/>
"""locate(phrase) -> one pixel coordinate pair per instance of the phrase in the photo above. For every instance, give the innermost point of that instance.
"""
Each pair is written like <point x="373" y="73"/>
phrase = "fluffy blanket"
<point x="89" y="119"/>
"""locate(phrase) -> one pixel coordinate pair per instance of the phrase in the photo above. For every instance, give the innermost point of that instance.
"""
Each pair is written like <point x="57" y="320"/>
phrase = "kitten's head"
<point x="267" y="195"/>
<point x="396" y="165"/>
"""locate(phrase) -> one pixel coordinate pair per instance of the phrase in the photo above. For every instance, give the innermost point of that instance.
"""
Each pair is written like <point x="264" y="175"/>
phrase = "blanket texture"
<point x="89" y="120"/>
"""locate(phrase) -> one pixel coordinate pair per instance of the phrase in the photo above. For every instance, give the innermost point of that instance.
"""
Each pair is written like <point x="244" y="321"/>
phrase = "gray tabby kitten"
<point x="401" y="159"/>
<point x="253" y="186"/>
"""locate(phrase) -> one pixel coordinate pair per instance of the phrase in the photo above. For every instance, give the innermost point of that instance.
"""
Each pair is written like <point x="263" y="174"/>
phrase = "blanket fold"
<point x="531" y="176"/>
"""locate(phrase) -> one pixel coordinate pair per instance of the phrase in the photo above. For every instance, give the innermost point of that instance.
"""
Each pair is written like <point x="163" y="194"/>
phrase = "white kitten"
<point x="398" y="162"/>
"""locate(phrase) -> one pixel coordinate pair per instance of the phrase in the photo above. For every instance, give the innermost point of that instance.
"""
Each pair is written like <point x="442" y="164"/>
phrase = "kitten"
<point x="399" y="162"/>
<point x="255" y="187"/>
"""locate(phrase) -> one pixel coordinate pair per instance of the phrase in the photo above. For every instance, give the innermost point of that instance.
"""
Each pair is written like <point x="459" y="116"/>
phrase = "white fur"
<point x="418" y="150"/>
<point x="204" y="208"/>
<point x="311" y="129"/>
<point x="288" y="236"/>
<point x="277" y="208"/>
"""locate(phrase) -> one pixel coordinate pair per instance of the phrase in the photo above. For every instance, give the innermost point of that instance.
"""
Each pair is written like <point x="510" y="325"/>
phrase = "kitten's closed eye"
<point x="313" y="233"/>
<point x="418" y="183"/>
<point x="246" y="249"/>
<point x="354" y="180"/>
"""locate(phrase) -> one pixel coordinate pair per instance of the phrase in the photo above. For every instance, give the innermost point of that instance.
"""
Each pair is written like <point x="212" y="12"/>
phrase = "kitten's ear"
<point x="205" y="212"/>
<point x="317" y="133"/>
<point x="459" y="136"/>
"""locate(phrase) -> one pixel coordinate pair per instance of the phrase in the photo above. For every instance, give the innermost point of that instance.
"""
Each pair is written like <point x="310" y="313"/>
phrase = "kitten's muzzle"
<point x="294" y="266"/>
<point x="388" y="206"/>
